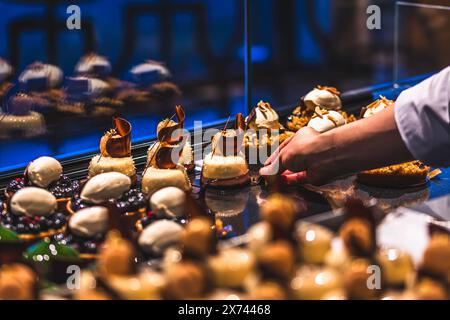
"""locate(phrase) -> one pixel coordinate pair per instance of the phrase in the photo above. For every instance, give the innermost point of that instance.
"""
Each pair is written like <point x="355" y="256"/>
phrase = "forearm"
<point x="365" y="144"/>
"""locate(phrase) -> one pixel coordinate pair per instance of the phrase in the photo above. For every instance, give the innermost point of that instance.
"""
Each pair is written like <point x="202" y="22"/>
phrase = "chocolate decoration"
<point x="117" y="143"/>
<point x="329" y="89"/>
<point x="167" y="132"/>
<point x="230" y="142"/>
<point x="163" y="156"/>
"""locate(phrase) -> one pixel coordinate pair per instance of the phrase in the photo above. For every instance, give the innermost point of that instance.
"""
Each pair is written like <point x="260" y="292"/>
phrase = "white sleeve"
<point x="422" y="114"/>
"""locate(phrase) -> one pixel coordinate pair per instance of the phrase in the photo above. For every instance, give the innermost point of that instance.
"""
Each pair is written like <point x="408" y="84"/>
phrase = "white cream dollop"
<point x="149" y="68"/>
<point x="5" y="70"/>
<point x="327" y="121"/>
<point x="89" y="222"/>
<point x="105" y="186"/>
<point x="43" y="171"/>
<point x="377" y="106"/>
<point x="33" y="201"/>
<point x="322" y="98"/>
<point x="51" y="73"/>
<point x="160" y="235"/>
<point x="264" y="118"/>
<point x="168" y="202"/>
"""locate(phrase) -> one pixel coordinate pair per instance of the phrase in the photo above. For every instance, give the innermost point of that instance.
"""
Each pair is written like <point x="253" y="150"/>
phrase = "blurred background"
<point x="296" y="44"/>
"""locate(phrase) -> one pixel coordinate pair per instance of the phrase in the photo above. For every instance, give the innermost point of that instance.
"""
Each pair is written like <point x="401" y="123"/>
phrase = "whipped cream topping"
<point x="89" y="222"/>
<point x="41" y="76"/>
<point x="149" y="72"/>
<point x="263" y="117"/>
<point x="33" y="201"/>
<point x="160" y="235"/>
<point x="105" y="186"/>
<point x="93" y="64"/>
<point x="43" y="171"/>
<point x="5" y="70"/>
<point x="326" y="120"/>
<point x="377" y="106"/>
<point x="168" y="202"/>
<point x="323" y="97"/>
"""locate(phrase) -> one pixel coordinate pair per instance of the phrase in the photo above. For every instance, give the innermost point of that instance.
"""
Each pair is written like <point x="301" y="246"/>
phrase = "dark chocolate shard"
<point x="117" y="143"/>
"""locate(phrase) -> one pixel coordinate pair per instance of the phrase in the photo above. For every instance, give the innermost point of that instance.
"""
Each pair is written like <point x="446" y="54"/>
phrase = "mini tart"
<point x="42" y="226"/>
<point x="29" y="125"/>
<point x="409" y="174"/>
<point x="101" y="164"/>
<point x="225" y="171"/>
<point x="301" y="116"/>
<point x="63" y="189"/>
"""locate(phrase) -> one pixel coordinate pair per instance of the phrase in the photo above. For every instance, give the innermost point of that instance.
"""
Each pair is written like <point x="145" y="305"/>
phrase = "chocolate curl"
<point x="163" y="156"/>
<point x="173" y="133"/>
<point x="117" y="144"/>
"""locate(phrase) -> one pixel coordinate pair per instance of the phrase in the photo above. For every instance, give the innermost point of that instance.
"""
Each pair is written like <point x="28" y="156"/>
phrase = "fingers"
<point x="295" y="178"/>
<point x="273" y="168"/>
<point x="277" y="152"/>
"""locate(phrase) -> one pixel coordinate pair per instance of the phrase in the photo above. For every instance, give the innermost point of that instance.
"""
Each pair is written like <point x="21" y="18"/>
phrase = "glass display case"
<point x="113" y="91"/>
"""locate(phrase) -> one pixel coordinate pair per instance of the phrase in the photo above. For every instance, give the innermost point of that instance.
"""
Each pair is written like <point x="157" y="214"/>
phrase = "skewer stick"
<point x="222" y="132"/>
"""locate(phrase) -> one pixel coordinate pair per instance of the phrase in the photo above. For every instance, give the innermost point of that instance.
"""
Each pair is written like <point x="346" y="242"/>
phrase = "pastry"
<point x="436" y="258"/>
<point x="314" y="282"/>
<point x="43" y="83"/>
<point x="324" y="120"/>
<point x="403" y="175"/>
<point x="88" y="96"/>
<point x="327" y="98"/>
<point x="280" y="212"/>
<point x="17" y="282"/>
<point x="6" y="73"/>
<point x="230" y="267"/>
<point x="115" y="151"/>
<point x="277" y="260"/>
<point x="164" y="167"/>
<point x="198" y="238"/>
<point x="150" y="84"/>
<point x="116" y="256"/>
<point x="264" y="133"/>
<point x="171" y="135"/>
<point x="47" y="173"/>
<point x="259" y="236"/>
<point x="314" y="242"/>
<point x="32" y="213"/>
<point x="21" y="120"/>
<point x="159" y="236"/>
<point x="110" y="186"/>
<point x="185" y="280"/>
<point x="396" y="267"/>
<point x="356" y="280"/>
<point x="225" y="166"/>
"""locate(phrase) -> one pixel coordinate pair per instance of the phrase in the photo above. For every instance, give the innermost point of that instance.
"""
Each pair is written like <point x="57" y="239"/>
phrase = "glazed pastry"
<point x="314" y="242"/>
<point x="230" y="267"/>
<point x="268" y="291"/>
<point x="198" y="238"/>
<point x="185" y="280"/>
<point x="436" y="258"/>
<point x="116" y="256"/>
<point x="159" y="236"/>
<point x="396" y="266"/>
<point x="110" y="186"/>
<point x="280" y="211"/>
<point x="32" y="213"/>
<point x="115" y="151"/>
<point x="327" y="98"/>
<point x="165" y="130"/>
<point x="47" y="173"/>
<point x="264" y="133"/>
<point x="88" y="96"/>
<point x="430" y="289"/>
<point x="21" y="120"/>
<point x="17" y="282"/>
<point x="277" y="260"/>
<point x="225" y="166"/>
<point x="146" y="285"/>
<point x="150" y="84"/>
<point x="314" y="282"/>
<point x="356" y="279"/>
<point x="259" y="236"/>
<point x="163" y="166"/>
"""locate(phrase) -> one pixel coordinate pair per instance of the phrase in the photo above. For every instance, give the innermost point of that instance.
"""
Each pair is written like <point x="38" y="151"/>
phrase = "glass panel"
<point x="199" y="41"/>
<point x="421" y="39"/>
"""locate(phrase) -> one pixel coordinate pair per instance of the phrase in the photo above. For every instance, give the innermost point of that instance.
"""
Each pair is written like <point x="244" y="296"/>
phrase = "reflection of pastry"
<point x="396" y="176"/>
<point x="163" y="168"/>
<point x="21" y="120"/>
<point x="115" y="148"/>
<point x="225" y="166"/>
<point x="264" y="133"/>
<point x="228" y="204"/>
<point x="32" y="213"/>
<point x="327" y="98"/>
<point x="110" y="186"/>
<point x="150" y="85"/>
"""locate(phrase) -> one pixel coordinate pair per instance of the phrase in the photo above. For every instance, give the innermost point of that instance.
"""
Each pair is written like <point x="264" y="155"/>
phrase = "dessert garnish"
<point x="41" y="77"/>
<point x="169" y="202"/>
<point x="324" y="97"/>
<point x="159" y="236"/>
<point x="324" y="120"/>
<point x="116" y="142"/>
<point x="93" y="65"/>
<point x="376" y="106"/>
